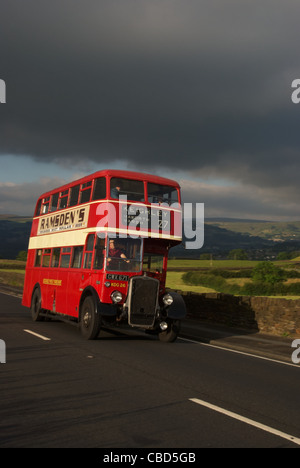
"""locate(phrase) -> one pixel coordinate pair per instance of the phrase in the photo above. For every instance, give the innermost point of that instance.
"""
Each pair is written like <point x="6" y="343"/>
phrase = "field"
<point x="177" y="269"/>
<point x="12" y="272"/>
<point x="174" y="281"/>
<point x="201" y="264"/>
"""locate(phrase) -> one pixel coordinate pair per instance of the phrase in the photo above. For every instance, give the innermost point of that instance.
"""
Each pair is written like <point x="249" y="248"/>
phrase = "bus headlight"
<point x="116" y="297"/>
<point x="168" y="299"/>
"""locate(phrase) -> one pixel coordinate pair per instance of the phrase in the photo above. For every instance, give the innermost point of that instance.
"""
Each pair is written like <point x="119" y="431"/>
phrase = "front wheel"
<point x="90" y="322"/>
<point x="171" y="333"/>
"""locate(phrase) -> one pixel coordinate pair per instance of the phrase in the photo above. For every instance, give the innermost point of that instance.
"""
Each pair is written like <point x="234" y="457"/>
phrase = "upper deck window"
<point x="54" y="201"/>
<point x="74" y="195"/>
<point x="85" y="193"/>
<point x="63" y="199"/>
<point x="99" y="189"/>
<point x="45" y="207"/>
<point x="162" y="194"/>
<point x="133" y="189"/>
<point x="38" y="208"/>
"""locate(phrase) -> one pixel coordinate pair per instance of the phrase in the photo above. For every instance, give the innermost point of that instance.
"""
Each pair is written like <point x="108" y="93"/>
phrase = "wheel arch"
<point x="89" y="291"/>
<point x="102" y="308"/>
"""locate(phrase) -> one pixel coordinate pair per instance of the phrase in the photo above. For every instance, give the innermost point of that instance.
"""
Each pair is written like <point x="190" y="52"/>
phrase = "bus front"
<point x="136" y="238"/>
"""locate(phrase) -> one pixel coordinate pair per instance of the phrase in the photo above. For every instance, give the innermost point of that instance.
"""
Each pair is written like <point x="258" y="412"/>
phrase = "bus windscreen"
<point x="124" y="255"/>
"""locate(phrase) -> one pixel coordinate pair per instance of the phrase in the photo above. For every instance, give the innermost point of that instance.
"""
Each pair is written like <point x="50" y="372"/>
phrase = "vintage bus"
<point x="98" y="254"/>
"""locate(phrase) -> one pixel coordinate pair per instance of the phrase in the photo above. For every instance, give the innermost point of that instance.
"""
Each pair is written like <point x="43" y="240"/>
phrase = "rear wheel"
<point x="171" y="333"/>
<point x="90" y="322"/>
<point x="36" y="306"/>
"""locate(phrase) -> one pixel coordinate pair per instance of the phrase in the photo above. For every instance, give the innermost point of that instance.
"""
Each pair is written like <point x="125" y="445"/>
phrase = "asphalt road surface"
<point x="129" y="390"/>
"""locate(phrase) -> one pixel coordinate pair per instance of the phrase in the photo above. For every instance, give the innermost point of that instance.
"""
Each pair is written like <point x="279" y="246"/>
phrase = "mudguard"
<point x="108" y="310"/>
<point x="177" y="310"/>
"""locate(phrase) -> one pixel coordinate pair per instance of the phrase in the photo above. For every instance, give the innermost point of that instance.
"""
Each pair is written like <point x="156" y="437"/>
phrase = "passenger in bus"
<point x="115" y="192"/>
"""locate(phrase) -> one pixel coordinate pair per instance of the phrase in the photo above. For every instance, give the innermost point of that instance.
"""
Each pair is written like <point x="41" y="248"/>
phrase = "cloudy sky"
<point x="196" y="90"/>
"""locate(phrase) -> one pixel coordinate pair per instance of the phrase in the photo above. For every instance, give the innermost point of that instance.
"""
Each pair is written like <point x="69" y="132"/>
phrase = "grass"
<point x="195" y="264"/>
<point x="12" y="272"/>
<point x="225" y="264"/>
<point x="174" y="281"/>
<point x="12" y="277"/>
<point x="12" y="264"/>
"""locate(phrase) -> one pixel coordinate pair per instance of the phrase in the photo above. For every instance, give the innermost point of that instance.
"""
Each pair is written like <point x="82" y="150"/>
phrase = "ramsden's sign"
<point x="64" y="221"/>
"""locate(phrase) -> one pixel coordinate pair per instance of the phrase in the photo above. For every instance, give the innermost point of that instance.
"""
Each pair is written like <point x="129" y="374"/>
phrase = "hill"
<point x="262" y="238"/>
<point x="276" y="231"/>
<point x="219" y="241"/>
<point x="14" y="236"/>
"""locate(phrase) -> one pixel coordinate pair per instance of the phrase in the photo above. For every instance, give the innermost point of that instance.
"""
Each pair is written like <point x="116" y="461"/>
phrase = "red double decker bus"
<point x="98" y="253"/>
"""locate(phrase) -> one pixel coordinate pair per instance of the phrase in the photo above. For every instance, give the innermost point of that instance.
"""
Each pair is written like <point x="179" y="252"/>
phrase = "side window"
<point x="100" y="189"/>
<point x="38" y="208"/>
<point x="74" y="195"/>
<point x="89" y="251"/>
<point x="54" y="202"/>
<point x="38" y="258"/>
<point x="85" y="194"/>
<point x="46" y="204"/>
<point x="65" y="257"/>
<point x="99" y="254"/>
<point x="46" y="258"/>
<point x="55" y="258"/>
<point x="63" y="199"/>
<point x="77" y="257"/>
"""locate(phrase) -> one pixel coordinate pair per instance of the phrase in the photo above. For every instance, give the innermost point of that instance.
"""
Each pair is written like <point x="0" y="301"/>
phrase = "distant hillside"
<point x="218" y="241"/>
<point x="221" y="236"/>
<point x="14" y="236"/>
<point x="270" y="230"/>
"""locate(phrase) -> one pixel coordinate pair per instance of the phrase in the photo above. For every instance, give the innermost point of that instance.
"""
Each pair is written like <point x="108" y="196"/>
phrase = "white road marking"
<point x="251" y="422"/>
<point x="257" y="356"/>
<point x="37" y="335"/>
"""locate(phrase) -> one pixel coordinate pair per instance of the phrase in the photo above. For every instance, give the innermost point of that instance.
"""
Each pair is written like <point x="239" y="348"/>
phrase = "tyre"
<point x="36" y="306"/>
<point x="171" y="333"/>
<point x="90" y="320"/>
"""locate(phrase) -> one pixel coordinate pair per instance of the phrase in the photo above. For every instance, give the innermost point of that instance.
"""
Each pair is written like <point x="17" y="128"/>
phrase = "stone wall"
<point x="264" y="314"/>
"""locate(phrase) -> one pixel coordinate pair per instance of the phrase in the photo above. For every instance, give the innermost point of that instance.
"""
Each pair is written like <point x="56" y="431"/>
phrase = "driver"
<point x="115" y="252"/>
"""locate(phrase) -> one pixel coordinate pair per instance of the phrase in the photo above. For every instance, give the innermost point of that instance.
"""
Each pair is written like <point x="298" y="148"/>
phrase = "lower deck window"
<point x="65" y="257"/>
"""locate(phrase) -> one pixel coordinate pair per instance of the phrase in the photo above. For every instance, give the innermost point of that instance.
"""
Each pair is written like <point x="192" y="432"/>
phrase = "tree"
<point x="205" y="256"/>
<point x="22" y="255"/>
<point x="267" y="272"/>
<point x="238" y="254"/>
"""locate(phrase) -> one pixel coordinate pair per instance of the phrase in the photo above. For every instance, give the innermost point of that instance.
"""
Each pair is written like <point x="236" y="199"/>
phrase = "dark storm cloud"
<point x="203" y="86"/>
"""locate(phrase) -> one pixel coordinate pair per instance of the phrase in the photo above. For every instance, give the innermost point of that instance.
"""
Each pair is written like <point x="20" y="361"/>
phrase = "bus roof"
<point x="115" y="173"/>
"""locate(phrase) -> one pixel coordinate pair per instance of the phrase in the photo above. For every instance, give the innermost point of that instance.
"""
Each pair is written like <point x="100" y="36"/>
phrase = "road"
<point x="129" y="390"/>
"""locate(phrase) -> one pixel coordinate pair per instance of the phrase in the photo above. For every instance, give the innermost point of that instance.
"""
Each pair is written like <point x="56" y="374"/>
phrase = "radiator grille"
<point x="143" y="299"/>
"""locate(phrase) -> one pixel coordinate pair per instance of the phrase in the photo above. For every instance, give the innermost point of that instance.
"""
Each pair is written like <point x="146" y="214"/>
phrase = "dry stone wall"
<point x="275" y="316"/>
